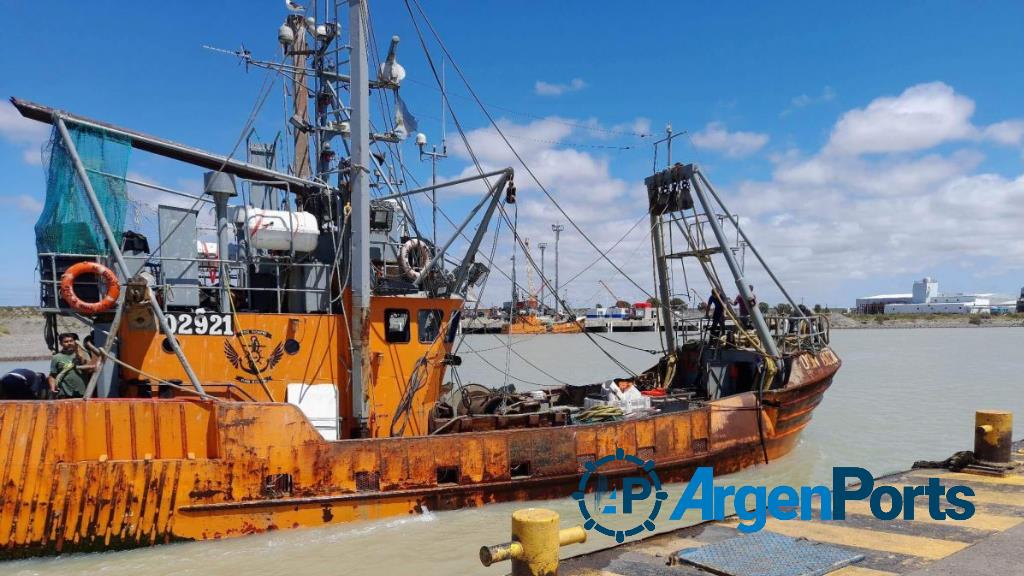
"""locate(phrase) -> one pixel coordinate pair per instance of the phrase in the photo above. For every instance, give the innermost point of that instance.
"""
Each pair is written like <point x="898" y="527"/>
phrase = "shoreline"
<point x="841" y="321"/>
<point x="21" y="328"/>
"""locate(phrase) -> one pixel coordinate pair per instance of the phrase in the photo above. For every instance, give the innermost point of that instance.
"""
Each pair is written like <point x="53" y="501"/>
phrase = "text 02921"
<point x="188" y="324"/>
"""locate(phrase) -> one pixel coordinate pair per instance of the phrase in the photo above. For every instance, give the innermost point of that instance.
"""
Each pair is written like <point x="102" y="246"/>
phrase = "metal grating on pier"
<point x="767" y="554"/>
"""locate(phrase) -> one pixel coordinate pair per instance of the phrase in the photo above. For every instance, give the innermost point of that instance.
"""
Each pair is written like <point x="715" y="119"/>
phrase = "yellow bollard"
<point x="535" y="543"/>
<point x="993" y="431"/>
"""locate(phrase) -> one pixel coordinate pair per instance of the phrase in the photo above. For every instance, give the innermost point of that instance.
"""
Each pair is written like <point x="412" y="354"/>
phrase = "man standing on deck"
<point x="69" y="367"/>
<point x="717" y="315"/>
<point x="745" y="306"/>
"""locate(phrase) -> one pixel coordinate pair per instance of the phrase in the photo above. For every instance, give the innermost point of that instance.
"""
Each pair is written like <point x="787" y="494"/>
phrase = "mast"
<point x="668" y="323"/>
<point x="557" y="229"/>
<point x="360" y="201"/>
<point x="300" y="97"/>
<point x="512" y="310"/>
<point x="531" y="297"/>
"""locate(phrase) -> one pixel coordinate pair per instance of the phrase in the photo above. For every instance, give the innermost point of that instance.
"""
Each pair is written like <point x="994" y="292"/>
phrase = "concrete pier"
<point x="990" y="542"/>
<point x="494" y="325"/>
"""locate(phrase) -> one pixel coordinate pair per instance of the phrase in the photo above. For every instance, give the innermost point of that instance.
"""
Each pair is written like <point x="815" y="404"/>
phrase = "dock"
<point x="620" y="325"/>
<point x="990" y="542"/>
<point x="493" y="325"/>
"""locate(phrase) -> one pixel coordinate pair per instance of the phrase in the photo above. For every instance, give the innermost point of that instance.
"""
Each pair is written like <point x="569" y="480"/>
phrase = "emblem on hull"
<point x="254" y="359"/>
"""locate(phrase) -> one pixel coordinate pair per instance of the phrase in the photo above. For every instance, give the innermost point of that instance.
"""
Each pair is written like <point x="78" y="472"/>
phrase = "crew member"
<point x="69" y="368"/>
<point x="715" y="308"/>
<point x="23" y="384"/>
<point x="745" y="307"/>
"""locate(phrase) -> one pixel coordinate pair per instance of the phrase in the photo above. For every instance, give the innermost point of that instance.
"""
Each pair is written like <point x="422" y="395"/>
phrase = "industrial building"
<point x="925" y="299"/>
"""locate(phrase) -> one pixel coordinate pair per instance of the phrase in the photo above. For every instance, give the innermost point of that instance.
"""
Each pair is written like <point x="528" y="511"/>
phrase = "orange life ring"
<point x="67" y="287"/>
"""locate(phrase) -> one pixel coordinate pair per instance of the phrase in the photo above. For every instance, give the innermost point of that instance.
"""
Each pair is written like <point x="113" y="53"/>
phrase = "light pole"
<point x="557" y="229"/>
<point x="434" y="155"/>
<point x="543" y="278"/>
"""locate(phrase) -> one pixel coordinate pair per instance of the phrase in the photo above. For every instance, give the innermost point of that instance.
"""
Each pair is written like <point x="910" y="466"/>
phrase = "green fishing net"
<point x="68" y="224"/>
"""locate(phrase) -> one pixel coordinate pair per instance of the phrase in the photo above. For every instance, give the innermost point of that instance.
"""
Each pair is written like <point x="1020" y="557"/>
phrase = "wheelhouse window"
<point x="429" y="322"/>
<point x="396" y="325"/>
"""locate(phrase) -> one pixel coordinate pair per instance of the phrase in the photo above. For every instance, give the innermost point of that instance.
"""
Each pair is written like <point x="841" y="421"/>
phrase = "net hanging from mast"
<point x="68" y="224"/>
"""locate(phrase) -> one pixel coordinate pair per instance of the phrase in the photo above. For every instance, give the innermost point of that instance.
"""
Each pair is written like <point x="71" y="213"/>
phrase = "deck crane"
<point x="618" y="301"/>
<point x="531" y="293"/>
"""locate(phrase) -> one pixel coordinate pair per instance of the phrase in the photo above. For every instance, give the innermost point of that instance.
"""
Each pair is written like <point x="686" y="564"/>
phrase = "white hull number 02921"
<point x="187" y="324"/>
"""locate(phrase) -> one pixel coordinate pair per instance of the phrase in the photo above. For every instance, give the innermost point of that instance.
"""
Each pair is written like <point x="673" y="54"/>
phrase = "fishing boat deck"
<point x="990" y="542"/>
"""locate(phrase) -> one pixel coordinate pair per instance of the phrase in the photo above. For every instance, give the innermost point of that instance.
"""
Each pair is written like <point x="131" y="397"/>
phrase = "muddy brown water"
<point x="901" y="395"/>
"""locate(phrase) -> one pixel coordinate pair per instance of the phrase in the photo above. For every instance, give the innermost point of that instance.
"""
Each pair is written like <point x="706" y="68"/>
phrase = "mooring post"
<point x="993" y="431"/>
<point x="535" y="543"/>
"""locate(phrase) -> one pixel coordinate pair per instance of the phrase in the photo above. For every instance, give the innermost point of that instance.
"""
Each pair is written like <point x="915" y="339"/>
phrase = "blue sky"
<point x="865" y="144"/>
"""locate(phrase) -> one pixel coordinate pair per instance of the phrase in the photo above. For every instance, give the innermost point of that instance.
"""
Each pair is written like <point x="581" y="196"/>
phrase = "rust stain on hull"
<point x="81" y="476"/>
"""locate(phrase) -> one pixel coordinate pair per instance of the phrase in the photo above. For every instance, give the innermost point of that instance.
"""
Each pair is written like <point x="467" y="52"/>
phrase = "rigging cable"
<point x="476" y="162"/>
<point x="504" y="138"/>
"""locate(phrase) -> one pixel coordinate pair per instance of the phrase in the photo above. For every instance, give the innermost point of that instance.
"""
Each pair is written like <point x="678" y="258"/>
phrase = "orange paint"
<point x="231" y="367"/>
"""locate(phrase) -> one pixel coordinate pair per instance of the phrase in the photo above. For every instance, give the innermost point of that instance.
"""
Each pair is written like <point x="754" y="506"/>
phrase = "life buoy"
<point x="405" y="257"/>
<point x="67" y="287"/>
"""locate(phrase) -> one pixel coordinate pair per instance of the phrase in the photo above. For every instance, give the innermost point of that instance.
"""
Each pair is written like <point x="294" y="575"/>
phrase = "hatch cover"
<point x="767" y="554"/>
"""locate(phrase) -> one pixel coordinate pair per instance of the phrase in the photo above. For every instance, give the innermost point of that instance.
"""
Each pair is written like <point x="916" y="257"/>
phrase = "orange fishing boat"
<point x="525" y="324"/>
<point x="524" y="311"/>
<point x="532" y="324"/>
<point x="294" y="372"/>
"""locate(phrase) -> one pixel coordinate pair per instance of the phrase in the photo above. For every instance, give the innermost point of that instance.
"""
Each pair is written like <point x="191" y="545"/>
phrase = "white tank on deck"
<point x="279" y="229"/>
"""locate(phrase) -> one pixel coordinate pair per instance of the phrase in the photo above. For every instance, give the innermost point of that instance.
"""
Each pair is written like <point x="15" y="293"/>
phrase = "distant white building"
<point x="876" y="304"/>
<point x="925" y="299"/>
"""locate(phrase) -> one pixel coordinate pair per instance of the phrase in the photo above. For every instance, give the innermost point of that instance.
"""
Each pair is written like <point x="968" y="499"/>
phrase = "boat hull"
<point x="111" y="474"/>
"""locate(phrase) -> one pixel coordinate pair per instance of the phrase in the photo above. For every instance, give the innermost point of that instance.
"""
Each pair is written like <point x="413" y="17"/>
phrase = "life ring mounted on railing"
<point x="418" y="248"/>
<point x="106" y="302"/>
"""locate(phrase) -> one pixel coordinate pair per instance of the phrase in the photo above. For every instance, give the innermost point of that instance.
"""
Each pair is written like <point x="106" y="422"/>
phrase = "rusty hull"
<point x="110" y="474"/>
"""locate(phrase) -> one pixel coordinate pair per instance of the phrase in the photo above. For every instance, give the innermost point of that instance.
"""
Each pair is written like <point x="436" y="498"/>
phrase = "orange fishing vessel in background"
<point x="528" y="315"/>
<point x="294" y="372"/>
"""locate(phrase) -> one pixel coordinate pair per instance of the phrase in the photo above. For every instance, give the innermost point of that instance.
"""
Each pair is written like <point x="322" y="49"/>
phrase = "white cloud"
<point x="573" y="174"/>
<point x="716" y="137"/>
<point x="24" y="202"/>
<point x="922" y="117"/>
<point x="1010" y="132"/>
<point x="542" y="88"/>
<point x="33" y="155"/>
<point x="828" y="94"/>
<point x="854" y="209"/>
<point x="604" y="206"/>
<point x="875" y="203"/>
<point x="26" y="134"/>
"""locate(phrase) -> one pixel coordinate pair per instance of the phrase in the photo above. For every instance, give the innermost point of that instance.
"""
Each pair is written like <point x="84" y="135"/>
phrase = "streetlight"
<point x="557" y="229"/>
<point x="434" y="155"/>
<point x="543" y="278"/>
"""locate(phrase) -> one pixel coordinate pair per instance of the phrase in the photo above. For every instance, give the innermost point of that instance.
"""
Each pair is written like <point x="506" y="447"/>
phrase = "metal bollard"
<point x="993" y="431"/>
<point x="535" y="543"/>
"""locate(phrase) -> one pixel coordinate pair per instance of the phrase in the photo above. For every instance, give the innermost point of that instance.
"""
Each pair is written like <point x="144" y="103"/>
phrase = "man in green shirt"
<point x="69" y="368"/>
